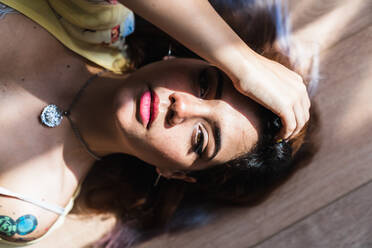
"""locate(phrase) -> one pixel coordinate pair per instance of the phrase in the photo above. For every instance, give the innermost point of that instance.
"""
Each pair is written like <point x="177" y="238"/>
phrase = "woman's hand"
<point x="278" y="89"/>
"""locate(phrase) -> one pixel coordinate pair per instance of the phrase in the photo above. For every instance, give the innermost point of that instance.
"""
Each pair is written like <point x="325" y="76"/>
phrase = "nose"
<point x="184" y="106"/>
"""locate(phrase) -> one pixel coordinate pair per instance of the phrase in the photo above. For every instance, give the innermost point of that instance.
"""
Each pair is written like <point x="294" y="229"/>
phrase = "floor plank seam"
<point x="312" y="213"/>
<point x="362" y="29"/>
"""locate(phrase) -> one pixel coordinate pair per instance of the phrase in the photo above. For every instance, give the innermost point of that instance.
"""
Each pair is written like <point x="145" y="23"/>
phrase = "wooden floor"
<point x="329" y="202"/>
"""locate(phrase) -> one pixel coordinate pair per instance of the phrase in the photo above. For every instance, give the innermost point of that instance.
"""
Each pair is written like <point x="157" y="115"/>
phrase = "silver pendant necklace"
<point x="52" y="115"/>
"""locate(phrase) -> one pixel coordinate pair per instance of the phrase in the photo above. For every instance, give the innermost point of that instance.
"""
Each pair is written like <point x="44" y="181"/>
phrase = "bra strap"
<point x="48" y="206"/>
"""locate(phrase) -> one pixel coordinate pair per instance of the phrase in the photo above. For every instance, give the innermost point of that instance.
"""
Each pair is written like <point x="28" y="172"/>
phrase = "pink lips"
<point x="149" y="107"/>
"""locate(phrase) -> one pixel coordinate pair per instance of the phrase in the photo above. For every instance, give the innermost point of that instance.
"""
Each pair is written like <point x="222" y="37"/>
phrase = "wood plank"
<point x="345" y="223"/>
<point x="341" y="165"/>
<point x="328" y="22"/>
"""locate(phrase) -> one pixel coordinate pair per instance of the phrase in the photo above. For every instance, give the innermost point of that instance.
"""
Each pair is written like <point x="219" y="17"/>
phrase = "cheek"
<point x="176" y="80"/>
<point x="168" y="147"/>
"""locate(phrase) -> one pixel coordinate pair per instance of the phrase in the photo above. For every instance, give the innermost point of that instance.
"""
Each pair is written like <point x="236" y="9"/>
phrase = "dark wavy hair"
<point x="123" y="185"/>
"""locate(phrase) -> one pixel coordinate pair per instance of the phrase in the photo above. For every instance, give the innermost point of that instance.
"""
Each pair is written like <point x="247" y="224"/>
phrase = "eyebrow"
<point x="216" y="128"/>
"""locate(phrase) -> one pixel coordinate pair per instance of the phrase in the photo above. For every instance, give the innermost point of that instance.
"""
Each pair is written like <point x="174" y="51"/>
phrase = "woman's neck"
<point x="94" y="116"/>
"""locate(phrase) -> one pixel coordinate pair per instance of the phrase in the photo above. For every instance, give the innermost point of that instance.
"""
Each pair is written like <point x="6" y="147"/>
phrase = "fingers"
<point x="280" y="90"/>
<point x="300" y="120"/>
<point x="296" y="115"/>
<point x="288" y="119"/>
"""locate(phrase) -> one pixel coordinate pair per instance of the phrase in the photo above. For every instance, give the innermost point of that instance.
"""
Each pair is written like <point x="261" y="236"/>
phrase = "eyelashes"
<point x="204" y="80"/>
<point x="204" y="88"/>
<point x="199" y="141"/>
<point x="207" y="77"/>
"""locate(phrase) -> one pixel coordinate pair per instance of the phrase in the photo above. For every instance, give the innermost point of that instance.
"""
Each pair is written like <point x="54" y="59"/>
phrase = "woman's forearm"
<point x="195" y="24"/>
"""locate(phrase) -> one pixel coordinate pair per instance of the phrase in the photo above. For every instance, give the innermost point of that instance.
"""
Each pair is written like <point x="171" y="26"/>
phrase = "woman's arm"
<point x="197" y="25"/>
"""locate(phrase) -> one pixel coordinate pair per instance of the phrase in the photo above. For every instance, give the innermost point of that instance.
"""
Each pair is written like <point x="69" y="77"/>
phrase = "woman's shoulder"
<point x="24" y="45"/>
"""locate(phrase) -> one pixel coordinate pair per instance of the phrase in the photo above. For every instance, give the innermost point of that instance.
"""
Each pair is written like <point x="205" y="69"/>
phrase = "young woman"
<point x="182" y="116"/>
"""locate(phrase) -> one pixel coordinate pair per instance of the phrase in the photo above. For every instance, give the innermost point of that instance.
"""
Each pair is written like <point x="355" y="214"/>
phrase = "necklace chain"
<point x="73" y="126"/>
<point x="81" y="139"/>
<point x="52" y="115"/>
<point x="80" y="92"/>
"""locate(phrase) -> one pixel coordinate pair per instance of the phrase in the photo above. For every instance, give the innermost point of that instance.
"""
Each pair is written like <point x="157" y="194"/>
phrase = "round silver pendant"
<point x="51" y="116"/>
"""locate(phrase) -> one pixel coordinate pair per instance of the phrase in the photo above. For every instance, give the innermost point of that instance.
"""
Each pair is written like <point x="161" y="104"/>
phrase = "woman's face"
<point x="184" y="114"/>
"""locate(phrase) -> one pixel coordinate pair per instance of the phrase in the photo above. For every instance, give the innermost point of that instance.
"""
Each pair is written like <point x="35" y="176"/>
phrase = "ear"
<point x="180" y="175"/>
<point x="168" y="57"/>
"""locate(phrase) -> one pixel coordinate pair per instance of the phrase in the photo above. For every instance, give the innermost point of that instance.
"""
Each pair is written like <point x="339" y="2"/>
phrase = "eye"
<point x="198" y="141"/>
<point x="204" y="82"/>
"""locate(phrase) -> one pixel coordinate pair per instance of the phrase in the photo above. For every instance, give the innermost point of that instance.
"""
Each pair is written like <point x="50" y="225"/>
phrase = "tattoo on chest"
<point x="22" y="226"/>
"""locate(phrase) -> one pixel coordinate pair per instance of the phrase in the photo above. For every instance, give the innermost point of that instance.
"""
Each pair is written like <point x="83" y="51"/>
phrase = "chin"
<point x="125" y="115"/>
